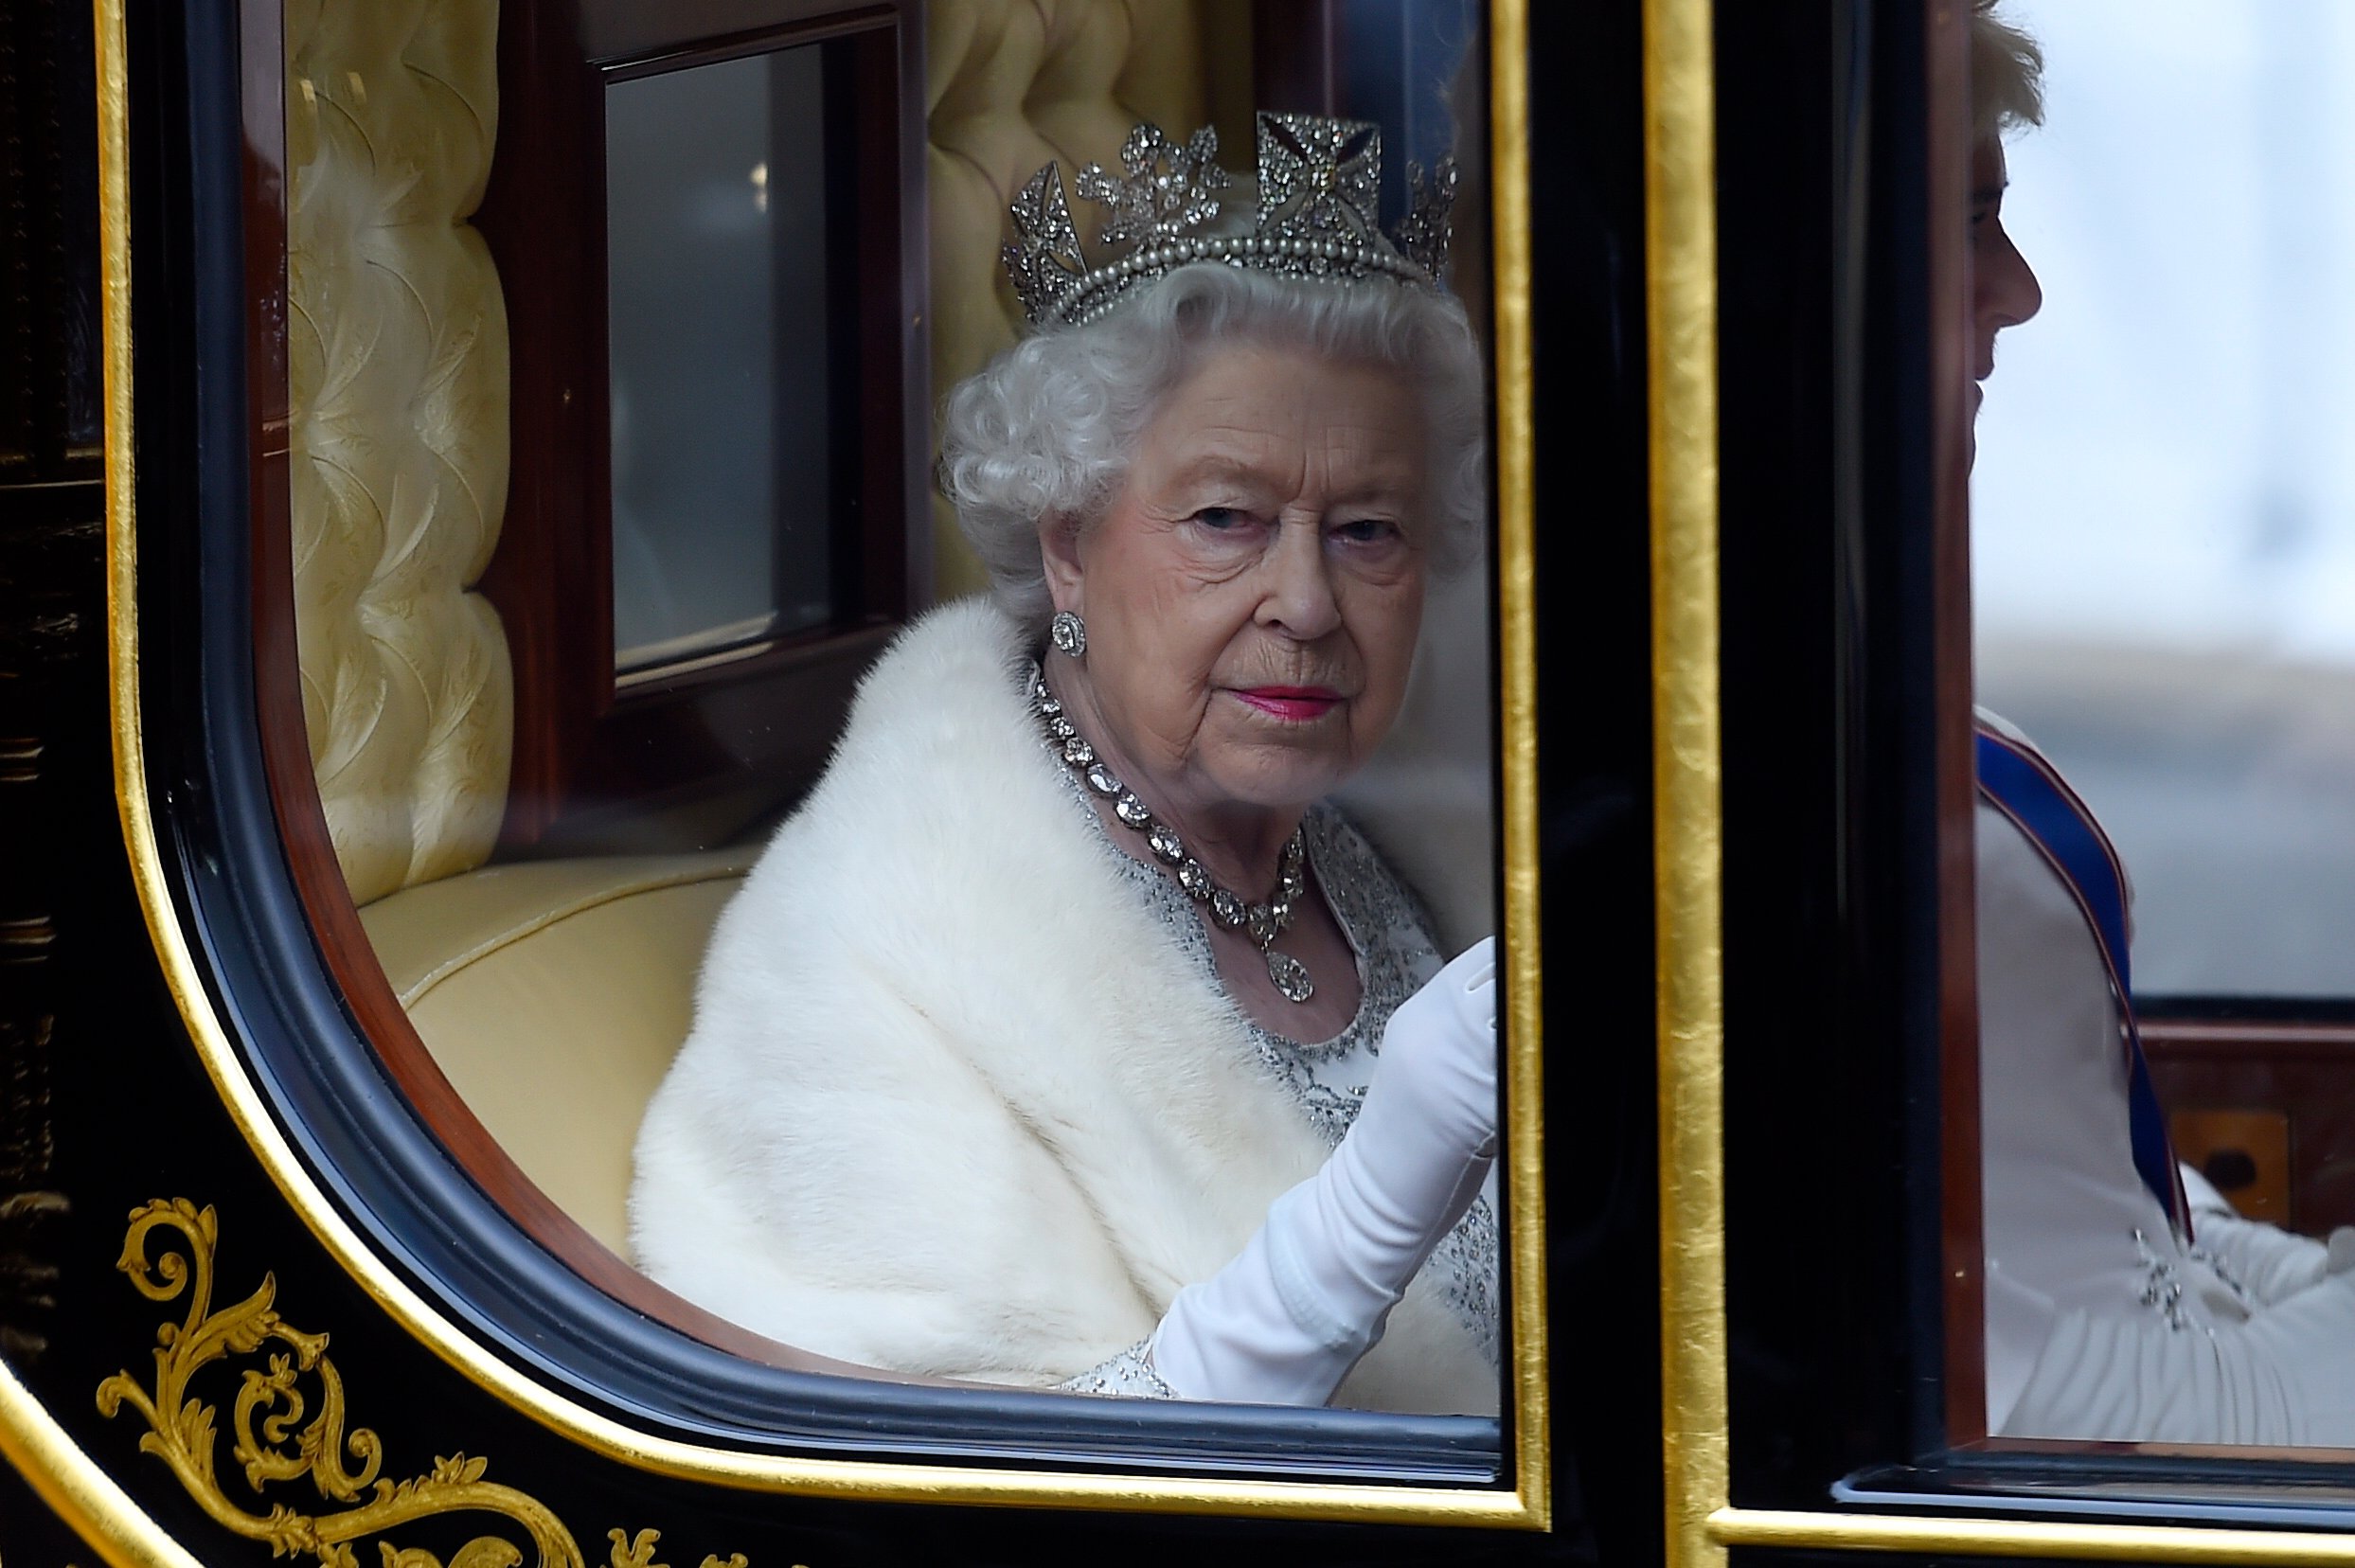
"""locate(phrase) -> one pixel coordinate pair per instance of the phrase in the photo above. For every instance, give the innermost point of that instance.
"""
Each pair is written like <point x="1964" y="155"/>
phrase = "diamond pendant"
<point x="1291" y="976"/>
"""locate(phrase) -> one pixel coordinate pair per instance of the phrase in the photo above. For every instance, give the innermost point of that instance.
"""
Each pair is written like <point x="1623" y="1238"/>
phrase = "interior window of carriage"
<point x="612" y="337"/>
<point x="2163" y="574"/>
<point x="715" y="509"/>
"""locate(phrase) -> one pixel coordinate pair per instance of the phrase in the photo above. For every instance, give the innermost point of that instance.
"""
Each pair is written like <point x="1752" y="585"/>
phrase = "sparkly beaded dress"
<point x="1391" y="936"/>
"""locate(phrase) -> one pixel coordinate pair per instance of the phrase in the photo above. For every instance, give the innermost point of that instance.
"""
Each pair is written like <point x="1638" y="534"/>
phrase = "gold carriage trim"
<point x="342" y="1467"/>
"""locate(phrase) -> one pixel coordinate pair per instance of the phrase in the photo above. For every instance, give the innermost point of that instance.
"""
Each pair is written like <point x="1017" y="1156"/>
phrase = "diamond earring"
<point x="1068" y="633"/>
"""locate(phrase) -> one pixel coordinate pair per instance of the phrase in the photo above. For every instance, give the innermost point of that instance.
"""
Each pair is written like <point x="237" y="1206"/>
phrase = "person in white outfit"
<point x="2125" y="1299"/>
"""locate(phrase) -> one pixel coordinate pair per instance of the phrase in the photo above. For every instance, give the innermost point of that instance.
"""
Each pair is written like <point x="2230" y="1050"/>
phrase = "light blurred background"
<point x="2164" y="505"/>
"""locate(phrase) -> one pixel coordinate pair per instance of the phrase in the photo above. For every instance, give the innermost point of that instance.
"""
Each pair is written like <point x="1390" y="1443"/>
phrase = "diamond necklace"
<point x="1261" y="922"/>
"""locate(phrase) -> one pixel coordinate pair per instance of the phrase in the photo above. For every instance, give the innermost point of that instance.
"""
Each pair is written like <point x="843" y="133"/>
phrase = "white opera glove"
<point x="1311" y="1289"/>
<point x="2272" y="1264"/>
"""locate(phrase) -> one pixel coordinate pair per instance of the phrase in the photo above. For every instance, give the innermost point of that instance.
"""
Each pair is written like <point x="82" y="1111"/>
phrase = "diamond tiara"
<point x="1319" y="181"/>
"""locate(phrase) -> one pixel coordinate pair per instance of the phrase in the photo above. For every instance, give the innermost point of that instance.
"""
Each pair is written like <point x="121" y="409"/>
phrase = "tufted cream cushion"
<point x="1011" y="84"/>
<point x="553" y="994"/>
<point x="397" y="342"/>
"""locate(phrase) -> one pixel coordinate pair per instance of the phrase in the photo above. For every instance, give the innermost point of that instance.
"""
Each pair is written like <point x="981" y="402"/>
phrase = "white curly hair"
<point x="1047" y="428"/>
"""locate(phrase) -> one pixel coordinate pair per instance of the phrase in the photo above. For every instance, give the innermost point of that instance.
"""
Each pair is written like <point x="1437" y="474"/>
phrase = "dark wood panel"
<point x="48" y="281"/>
<point x="539" y="188"/>
<point x="611" y="31"/>
<point x="53" y="765"/>
<point x="1946" y="89"/>
<point x="882" y="473"/>
<point x="1296" y="55"/>
<point x="2303" y="1071"/>
<point x="738" y="735"/>
<point x="1827" y="525"/>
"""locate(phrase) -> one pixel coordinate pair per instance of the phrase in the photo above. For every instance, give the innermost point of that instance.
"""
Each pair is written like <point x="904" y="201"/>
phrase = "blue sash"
<point x="2022" y="786"/>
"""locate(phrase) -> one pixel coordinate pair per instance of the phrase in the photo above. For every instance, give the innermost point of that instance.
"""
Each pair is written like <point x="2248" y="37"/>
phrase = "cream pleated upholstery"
<point x="397" y="360"/>
<point x="1011" y="85"/>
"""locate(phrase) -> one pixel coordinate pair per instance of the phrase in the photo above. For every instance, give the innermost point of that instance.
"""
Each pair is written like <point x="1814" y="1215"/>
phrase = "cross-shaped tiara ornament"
<point x="1319" y="182"/>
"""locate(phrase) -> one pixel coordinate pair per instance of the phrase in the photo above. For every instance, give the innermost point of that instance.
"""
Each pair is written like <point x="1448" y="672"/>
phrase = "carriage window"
<point x="715" y="253"/>
<point x="711" y="519"/>
<point x="2162" y="545"/>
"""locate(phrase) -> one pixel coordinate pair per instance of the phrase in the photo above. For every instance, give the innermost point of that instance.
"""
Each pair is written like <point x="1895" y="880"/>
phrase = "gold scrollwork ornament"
<point x="342" y="1468"/>
<point x="639" y="1553"/>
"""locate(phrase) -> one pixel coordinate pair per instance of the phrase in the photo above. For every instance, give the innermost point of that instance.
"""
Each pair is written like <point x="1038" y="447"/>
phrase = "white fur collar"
<point x="953" y="1102"/>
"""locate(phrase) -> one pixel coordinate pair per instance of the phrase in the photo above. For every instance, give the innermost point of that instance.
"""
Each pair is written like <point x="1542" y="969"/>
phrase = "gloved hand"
<point x="2270" y="1263"/>
<point x="1311" y="1292"/>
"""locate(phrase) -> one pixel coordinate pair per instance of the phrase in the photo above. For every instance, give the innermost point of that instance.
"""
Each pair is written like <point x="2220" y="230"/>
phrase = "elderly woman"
<point x="1063" y="1038"/>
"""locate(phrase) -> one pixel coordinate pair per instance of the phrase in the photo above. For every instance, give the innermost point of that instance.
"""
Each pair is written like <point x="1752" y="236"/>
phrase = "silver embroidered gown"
<point x="1386" y="928"/>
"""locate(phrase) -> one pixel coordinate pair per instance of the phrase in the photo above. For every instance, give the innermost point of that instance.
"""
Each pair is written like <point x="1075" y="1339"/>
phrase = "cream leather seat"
<point x="553" y="994"/>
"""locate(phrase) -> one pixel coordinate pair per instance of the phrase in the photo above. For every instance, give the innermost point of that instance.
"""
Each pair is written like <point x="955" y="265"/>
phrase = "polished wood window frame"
<point x="2203" y="1056"/>
<point x="597" y="754"/>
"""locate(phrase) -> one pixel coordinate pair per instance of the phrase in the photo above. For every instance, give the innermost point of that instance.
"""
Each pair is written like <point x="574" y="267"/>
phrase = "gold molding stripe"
<point x="1516" y="599"/>
<point x="76" y="1488"/>
<point x="2171" y="1544"/>
<point x="1524" y="1508"/>
<point x="1680" y="249"/>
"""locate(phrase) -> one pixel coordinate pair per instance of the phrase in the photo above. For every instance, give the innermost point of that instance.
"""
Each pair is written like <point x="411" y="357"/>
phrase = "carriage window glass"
<point x="719" y="417"/>
<point x="2162" y="576"/>
<point x="745" y="438"/>
<point x="2164" y="505"/>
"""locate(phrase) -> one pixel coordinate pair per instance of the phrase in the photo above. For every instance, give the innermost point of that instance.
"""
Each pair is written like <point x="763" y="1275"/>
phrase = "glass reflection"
<point x="715" y="222"/>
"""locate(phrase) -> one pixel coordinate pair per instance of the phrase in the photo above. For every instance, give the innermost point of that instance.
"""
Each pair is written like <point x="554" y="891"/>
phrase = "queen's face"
<point x="1253" y="592"/>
